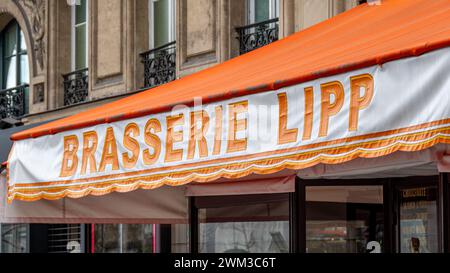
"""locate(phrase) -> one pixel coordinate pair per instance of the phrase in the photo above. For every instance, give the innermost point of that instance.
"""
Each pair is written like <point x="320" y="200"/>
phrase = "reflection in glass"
<point x="24" y="72"/>
<point x="81" y="9"/>
<point x="123" y="238"/>
<point x="161" y="22"/>
<point x="81" y="48"/>
<point x="262" y="11"/>
<point x="23" y="44"/>
<point x="10" y="72"/>
<point x="418" y="220"/>
<point x="257" y="228"/>
<point x="10" y="40"/>
<point x="14" y="238"/>
<point x="344" y="219"/>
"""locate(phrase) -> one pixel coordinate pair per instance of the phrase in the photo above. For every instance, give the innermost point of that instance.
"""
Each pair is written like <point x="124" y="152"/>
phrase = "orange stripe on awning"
<point x="364" y="36"/>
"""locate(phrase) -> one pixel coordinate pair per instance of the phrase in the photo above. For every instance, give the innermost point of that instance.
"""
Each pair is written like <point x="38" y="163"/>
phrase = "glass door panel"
<point x="261" y="227"/>
<point x="344" y="219"/>
<point x="418" y="220"/>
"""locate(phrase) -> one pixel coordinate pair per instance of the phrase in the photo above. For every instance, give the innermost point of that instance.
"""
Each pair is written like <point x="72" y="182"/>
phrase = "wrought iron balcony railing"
<point x="159" y="65"/>
<point x="13" y="102"/>
<point x="76" y="87"/>
<point x="257" y="35"/>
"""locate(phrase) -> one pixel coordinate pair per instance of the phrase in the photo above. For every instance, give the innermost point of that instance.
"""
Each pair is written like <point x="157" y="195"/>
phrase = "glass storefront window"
<point x="344" y="219"/>
<point x="14" y="238"/>
<point x="123" y="238"/>
<point x="261" y="227"/>
<point x="65" y="238"/>
<point x="418" y="220"/>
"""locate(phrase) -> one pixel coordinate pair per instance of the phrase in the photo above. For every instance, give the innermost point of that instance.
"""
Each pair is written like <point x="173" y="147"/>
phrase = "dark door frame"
<point x="297" y="209"/>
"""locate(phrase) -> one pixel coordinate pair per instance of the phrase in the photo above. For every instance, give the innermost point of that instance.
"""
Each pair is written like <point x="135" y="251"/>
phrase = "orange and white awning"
<point x="366" y="83"/>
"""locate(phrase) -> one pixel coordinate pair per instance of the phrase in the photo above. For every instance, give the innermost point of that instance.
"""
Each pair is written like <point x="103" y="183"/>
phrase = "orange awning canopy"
<point x="364" y="36"/>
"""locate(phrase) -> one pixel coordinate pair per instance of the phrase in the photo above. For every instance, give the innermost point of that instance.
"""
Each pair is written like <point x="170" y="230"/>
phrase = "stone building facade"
<point x="118" y="31"/>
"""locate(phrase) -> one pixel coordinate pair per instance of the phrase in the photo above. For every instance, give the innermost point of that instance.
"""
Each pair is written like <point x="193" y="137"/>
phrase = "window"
<point x="14" y="57"/>
<point x="123" y="238"/>
<point x="161" y="22"/>
<point x="344" y="219"/>
<point x="66" y="238"/>
<point x="262" y="10"/>
<point x="14" y="238"/>
<point x="243" y="224"/>
<point x="14" y="76"/>
<point x="418" y="220"/>
<point x="80" y="35"/>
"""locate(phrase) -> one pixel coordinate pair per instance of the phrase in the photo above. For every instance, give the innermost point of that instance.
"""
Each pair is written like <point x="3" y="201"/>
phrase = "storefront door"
<point x="243" y="224"/>
<point x="344" y="219"/>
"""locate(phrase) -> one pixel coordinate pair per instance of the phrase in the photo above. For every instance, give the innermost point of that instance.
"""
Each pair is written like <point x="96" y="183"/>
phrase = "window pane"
<point x="14" y="238"/>
<point x="64" y="238"/>
<point x="11" y="40"/>
<point x="262" y="10"/>
<point x="80" y="16"/>
<point x="107" y="238"/>
<point x="10" y="72"/>
<point x="80" y="47"/>
<point x="123" y="238"/>
<point x="418" y="220"/>
<point x="179" y="238"/>
<point x="23" y="44"/>
<point x="344" y="219"/>
<point x="137" y="238"/>
<point x="250" y="228"/>
<point x="161" y="23"/>
<point x="24" y="72"/>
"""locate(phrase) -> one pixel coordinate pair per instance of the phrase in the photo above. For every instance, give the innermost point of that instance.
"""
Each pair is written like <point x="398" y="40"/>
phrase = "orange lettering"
<point x="89" y="152"/>
<point x="172" y="137"/>
<point x="70" y="156"/>
<point x="152" y="140"/>
<point x="330" y="109"/>
<point x="285" y="135"/>
<point x="309" y="113"/>
<point x="218" y="130"/>
<point x="131" y="144"/>
<point x="235" y="125"/>
<point x="197" y="135"/>
<point x="357" y="102"/>
<point x="109" y="154"/>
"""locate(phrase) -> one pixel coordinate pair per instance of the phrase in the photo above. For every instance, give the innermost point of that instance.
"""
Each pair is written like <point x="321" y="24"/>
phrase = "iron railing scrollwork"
<point x="13" y="102"/>
<point x="76" y="86"/>
<point x="159" y="65"/>
<point x="257" y="35"/>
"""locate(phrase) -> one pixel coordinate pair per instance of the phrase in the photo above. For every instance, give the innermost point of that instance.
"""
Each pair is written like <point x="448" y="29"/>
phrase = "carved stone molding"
<point x="36" y="10"/>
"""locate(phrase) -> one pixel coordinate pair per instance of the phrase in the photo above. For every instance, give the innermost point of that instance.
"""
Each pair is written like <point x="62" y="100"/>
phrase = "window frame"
<point x="73" y="43"/>
<point x="171" y="22"/>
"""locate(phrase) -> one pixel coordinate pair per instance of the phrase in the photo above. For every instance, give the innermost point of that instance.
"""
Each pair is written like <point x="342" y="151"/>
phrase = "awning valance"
<point x="366" y="83"/>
